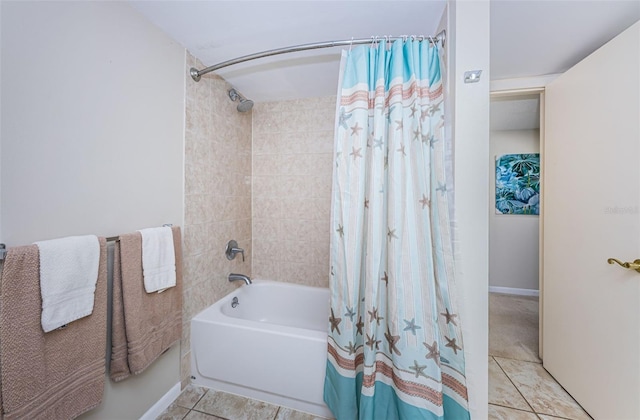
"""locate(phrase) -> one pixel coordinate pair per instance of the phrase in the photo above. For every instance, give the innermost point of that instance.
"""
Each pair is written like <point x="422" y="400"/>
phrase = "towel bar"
<point x="117" y="238"/>
<point x="3" y="248"/>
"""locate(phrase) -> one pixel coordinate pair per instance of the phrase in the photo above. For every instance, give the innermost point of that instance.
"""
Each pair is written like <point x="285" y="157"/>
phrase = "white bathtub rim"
<point x="258" y="283"/>
<point x="213" y="314"/>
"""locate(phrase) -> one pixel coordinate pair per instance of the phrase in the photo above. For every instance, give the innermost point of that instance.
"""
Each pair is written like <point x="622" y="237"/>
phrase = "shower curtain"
<point x="395" y="349"/>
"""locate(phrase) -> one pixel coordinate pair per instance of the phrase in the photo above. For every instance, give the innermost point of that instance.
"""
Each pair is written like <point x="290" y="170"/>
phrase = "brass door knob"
<point x="632" y="266"/>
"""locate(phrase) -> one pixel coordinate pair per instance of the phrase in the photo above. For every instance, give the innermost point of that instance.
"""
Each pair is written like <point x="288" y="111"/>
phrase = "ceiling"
<point x="528" y="38"/>
<point x="532" y="38"/>
<point x="515" y="113"/>
<point x="216" y="31"/>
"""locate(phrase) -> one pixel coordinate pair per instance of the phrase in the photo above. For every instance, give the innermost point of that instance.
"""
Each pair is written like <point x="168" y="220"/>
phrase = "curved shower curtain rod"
<point x="196" y="74"/>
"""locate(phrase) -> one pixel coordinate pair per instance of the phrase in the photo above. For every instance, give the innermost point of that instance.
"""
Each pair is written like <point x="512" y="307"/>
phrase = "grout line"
<point x="556" y="416"/>
<point x="206" y="391"/>
<point x="513" y="408"/>
<point x="277" y="411"/>
<point x="517" y="360"/>
<point x="568" y="394"/>
<point x="214" y="416"/>
<point x="515" y="386"/>
<point x="552" y="378"/>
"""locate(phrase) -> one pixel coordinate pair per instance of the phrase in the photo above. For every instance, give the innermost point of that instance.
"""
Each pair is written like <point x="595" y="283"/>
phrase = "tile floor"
<point x="519" y="387"/>
<point x="196" y="403"/>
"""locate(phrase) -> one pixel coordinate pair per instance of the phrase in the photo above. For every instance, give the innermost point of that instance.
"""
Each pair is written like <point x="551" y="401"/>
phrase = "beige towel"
<point x="144" y="325"/>
<point x="57" y="375"/>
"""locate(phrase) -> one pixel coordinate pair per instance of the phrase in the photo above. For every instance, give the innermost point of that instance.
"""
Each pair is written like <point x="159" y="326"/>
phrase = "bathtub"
<point x="272" y="346"/>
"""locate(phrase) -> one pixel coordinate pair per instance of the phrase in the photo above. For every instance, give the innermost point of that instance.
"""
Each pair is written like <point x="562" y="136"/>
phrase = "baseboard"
<point x="162" y="404"/>
<point x="513" y="291"/>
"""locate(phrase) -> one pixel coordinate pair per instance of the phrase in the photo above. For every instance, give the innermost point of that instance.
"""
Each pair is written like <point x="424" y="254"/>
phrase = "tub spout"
<point x="234" y="277"/>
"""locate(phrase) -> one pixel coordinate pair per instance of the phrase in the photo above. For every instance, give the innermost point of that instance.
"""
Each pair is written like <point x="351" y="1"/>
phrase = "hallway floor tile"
<point x="519" y="387"/>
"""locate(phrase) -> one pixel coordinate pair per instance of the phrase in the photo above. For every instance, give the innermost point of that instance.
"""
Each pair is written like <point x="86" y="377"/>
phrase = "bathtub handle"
<point x="232" y="250"/>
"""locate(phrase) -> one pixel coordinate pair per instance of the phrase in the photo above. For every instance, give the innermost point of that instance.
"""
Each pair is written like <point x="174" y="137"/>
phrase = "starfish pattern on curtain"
<point x="395" y="348"/>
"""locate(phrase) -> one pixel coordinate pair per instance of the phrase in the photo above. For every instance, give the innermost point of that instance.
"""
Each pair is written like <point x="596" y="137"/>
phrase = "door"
<point x="591" y="193"/>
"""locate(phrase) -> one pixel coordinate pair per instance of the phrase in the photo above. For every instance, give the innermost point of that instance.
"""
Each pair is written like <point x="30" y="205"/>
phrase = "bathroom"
<point x="97" y="137"/>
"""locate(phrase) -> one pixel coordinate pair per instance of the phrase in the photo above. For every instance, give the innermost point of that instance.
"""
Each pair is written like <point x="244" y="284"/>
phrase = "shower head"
<point x="245" y="104"/>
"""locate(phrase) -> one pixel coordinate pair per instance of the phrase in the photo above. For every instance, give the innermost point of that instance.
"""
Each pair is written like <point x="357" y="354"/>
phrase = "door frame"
<point x="527" y="86"/>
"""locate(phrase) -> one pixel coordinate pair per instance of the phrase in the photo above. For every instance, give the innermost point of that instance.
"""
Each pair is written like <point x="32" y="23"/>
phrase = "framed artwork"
<point x="518" y="184"/>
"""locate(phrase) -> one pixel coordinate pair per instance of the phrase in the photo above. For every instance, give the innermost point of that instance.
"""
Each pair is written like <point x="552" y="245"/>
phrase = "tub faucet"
<point x="234" y="277"/>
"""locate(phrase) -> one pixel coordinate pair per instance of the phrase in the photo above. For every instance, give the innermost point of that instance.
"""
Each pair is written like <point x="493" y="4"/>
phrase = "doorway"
<point x="514" y="223"/>
<point x="514" y="193"/>
<point x="519" y="386"/>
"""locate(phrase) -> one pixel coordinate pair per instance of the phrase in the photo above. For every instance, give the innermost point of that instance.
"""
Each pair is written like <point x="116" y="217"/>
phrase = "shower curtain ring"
<point x="351" y="44"/>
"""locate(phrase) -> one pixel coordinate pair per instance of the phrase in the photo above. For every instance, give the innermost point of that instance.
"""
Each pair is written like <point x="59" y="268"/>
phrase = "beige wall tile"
<point x="293" y="168"/>
<point x="267" y="208"/>
<point x="265" y="269"/>
<point x="194" y="209"/>
<point x="195" y="239"/>
<point x="262" y="178"/>
<point x="185" y="344"/>
<point x="267" y="249"/>
<point x="266" y="164"/>
<point x="305" y="273"/>
<point x="217" y="195"/>
<point x="264" y="229"/>
<point x="185" y="370"/>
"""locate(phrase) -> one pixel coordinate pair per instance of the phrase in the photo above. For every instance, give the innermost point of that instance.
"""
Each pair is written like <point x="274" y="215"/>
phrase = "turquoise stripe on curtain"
<point x="387" y="406"/>
<point x="395" y="348"/>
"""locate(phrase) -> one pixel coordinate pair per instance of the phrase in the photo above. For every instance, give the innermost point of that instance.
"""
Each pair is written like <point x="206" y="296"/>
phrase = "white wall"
<point x="1" y="118"/>
<point x="92" y="121"/>
<point x="513" y="239"/>
<point x="92" y="139"/>
<point x="468" y="40"/>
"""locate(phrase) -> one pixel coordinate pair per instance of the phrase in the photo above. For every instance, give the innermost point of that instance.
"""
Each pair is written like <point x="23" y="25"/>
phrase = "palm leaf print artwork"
<point x="518" y="184"/>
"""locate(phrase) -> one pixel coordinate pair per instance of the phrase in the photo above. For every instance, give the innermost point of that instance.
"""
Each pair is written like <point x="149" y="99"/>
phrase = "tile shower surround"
<point x="217" y="196"/>
<point x="292" y="173"/>
<point x="262" y="178"/>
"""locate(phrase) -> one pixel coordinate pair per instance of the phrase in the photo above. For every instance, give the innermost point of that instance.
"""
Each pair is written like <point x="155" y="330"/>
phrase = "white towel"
<point x="68" y="275"/>
<point x="158" y="259"/>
